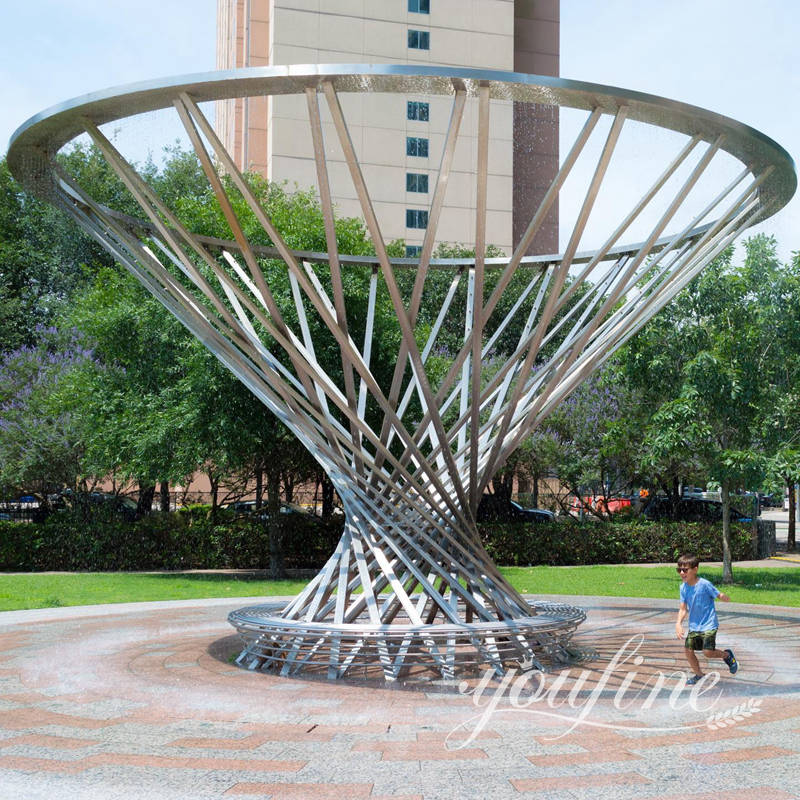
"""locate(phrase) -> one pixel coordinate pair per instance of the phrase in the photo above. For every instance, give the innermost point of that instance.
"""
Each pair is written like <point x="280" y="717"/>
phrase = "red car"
<point x="606" y="505"/>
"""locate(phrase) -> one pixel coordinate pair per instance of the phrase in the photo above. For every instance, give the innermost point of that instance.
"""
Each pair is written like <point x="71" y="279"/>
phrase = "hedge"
<point x="176" y="541"/>
<point x="634" y="541"/>
<point x="193" y="539"/>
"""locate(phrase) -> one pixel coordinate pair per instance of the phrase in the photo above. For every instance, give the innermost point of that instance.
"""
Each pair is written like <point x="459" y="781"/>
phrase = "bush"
<point x="635" y="541"/>
<point x="99" y="541"/>
<point x="96" y="540"/>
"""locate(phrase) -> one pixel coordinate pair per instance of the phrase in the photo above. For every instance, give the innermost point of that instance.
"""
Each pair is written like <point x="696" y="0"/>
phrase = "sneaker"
<point x="693" y="680"/>
<point x="730" y="660"/>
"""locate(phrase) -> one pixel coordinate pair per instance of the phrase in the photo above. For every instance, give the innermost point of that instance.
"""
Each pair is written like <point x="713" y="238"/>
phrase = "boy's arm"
<point x="682" y="611"/>
<point x="720" y="595"/>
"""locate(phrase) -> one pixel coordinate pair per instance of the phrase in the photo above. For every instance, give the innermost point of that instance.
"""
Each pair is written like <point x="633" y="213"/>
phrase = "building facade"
<point x="399" y="139"/>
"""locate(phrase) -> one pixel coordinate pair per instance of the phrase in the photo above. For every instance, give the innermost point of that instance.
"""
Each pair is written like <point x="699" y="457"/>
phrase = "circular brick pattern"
<point x="144" y="700"/>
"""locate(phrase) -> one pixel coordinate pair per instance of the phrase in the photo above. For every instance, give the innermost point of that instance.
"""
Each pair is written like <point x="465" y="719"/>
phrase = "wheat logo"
<point x="725" y="719"/>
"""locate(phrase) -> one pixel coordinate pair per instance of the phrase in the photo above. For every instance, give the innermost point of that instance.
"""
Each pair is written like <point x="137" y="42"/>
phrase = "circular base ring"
<point x="288" y="646"/>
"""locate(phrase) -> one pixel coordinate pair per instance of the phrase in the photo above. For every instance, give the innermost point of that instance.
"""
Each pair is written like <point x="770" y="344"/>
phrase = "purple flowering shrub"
<point x="41" y="430"/>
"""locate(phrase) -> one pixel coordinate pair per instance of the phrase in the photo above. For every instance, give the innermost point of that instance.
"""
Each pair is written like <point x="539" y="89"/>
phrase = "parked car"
<point x="694" y="491"/>
<point x="608" y="505"/>
<point x="497" y="509"/>
<point x="249" y="507"/>
<point x="22" y="509"/>
<point x="241" y="506"/>
<point x="774" y="500"/>
<point x="119" y="504"/>
<point x="690" y="509"/>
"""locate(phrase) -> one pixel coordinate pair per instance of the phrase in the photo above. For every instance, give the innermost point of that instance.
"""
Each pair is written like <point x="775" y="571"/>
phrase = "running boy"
<point x="697" y="600"/>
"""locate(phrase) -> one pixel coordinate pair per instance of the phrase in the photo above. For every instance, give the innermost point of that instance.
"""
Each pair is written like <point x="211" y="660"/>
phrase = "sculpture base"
<point x="291" y="646"/>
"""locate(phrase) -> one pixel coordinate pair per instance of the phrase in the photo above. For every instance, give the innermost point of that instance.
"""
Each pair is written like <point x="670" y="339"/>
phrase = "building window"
<point x="416" y="218"/>
<point x="415" y="146"/>
<point x="417" y="111"/>
<point x="419" y="6"/>
<point x="419" y="40"/>
<point x="415" y="182"/>
<point x="413" y="250"/>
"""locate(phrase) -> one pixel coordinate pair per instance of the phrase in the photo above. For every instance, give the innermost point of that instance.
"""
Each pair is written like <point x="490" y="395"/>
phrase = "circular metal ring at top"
<point x="35" y="143"/>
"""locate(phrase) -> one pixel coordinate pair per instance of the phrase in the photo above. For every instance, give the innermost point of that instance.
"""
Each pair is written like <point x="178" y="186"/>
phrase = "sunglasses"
<point x="683" y="569"/>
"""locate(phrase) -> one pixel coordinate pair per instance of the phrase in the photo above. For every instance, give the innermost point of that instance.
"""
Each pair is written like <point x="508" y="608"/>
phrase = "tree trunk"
<point x="727" y="567"/>
<point x="535" y="492"/>
<point x="502" y="484"/>
<point x="259" y="487"/>
<point x="274" y="531"/>
<point x="214" y="481"/>
<point x="146" y="494"/>
<point x="675" y="497"/>
<point x="164" y="493"/>
<point x="288" y="487"/>
<point x="327" y="497"/>
<point x="790" y="536"/>
<point x="316" y="492"/>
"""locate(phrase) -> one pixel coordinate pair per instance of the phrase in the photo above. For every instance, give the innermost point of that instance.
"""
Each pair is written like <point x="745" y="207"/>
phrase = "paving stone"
<point x="133" y="703"/>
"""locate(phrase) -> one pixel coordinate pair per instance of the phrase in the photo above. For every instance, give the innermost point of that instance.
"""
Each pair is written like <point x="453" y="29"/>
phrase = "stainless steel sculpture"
<point x="410" y="584"/>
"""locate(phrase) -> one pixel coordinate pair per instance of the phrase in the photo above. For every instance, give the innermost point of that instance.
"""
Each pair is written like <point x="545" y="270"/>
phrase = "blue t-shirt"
<point x="699" y="600"/>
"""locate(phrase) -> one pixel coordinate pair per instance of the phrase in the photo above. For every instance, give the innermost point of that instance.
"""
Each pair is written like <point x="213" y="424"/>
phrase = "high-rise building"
<point x="399" y="139"/>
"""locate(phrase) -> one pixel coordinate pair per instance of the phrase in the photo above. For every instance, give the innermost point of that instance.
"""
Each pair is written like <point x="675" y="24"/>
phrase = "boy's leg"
<point x="694" y="664"/>
<point x="726" y="655"/>
<point x="694" y="641"/>
<point x="710" y="651"/>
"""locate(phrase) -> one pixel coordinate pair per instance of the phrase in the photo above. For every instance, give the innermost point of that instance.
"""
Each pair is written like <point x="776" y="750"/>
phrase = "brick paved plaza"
<point x="142" y="700"/>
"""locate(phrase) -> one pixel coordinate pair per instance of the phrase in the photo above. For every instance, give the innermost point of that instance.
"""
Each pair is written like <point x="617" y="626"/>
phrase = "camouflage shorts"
<point x="701" y="640"/>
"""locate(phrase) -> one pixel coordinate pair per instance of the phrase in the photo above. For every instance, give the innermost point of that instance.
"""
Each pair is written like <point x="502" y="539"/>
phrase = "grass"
<point x="47" y="590"/>
<point x="763" y="586"/>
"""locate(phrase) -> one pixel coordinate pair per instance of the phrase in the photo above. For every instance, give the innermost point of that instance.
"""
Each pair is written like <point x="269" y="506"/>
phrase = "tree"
<point x="43" y="432"/>
<point x="784" y="469"/>
<point x="140" y="416"/>
<point x="652" y="366"/>
<point x="717" y="354"/>
<point x="44" y="258"/>
<point x="163" y="406"/>
<point x="595" y="428"/>
<point x="781" y="423"/>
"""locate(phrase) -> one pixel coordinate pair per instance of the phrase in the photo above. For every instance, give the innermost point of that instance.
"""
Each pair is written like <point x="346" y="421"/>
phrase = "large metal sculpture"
<point x="410" y="584"/>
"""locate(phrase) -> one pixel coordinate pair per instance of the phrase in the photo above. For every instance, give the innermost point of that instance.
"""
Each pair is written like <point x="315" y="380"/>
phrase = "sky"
<point x="735" y="57"/>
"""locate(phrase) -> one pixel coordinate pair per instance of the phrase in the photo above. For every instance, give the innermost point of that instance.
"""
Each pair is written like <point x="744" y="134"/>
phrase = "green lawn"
<point x="33" y="590"/>
<point x="767" y="586"/>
